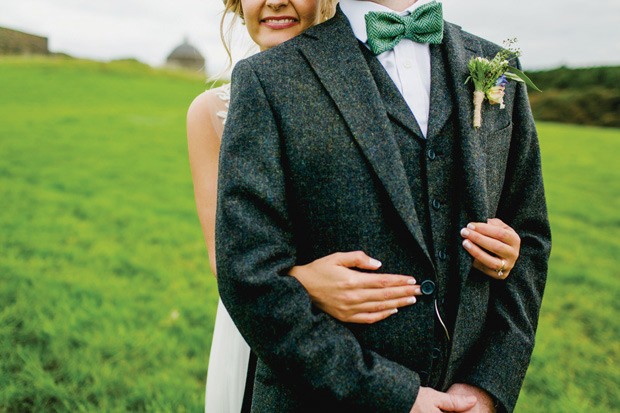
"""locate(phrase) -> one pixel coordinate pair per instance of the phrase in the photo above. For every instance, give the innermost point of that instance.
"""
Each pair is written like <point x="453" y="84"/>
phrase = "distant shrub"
<point x="61" y="55"/>
<point x="588" y="96"/>
<point x="563" y="78"/>
<point x="595" y="106"/>
<point x="128" y="60"/>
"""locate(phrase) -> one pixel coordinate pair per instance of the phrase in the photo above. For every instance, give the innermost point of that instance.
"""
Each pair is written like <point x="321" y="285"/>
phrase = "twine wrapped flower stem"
<point x="491" y="76"/>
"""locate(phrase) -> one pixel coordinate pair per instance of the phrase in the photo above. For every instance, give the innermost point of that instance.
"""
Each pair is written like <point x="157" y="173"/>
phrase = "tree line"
<point x="587" y="96"/>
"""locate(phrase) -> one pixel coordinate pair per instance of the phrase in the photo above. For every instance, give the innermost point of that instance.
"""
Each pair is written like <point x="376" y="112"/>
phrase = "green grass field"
<point x="106" y="298"/>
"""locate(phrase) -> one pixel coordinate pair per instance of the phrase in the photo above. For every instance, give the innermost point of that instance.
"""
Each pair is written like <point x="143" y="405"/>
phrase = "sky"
<point x="551" y="33"/>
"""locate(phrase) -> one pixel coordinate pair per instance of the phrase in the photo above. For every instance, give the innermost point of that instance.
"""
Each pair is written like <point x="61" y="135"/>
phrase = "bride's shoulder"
<point x="209" y="109"/>
<point x="211" y="100"/>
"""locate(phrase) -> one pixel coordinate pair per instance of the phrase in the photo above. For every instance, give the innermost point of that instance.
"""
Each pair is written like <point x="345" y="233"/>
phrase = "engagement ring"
<point x="500" y="272"/>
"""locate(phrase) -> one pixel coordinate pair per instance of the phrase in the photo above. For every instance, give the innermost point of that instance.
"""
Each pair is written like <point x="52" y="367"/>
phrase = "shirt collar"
<point x="355" y="10"/>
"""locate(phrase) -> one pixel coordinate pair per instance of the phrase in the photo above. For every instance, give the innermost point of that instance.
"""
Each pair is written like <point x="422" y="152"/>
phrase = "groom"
<point x="331" y="146"/>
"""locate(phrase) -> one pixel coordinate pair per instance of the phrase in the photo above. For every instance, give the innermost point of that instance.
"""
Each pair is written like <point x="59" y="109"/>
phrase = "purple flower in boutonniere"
<point x="501" y="81"/>
<point x="490" y="78"/>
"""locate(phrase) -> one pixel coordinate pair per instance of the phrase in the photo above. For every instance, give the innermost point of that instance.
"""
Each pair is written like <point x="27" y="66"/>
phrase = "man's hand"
<point x="433" y="401"/>
<point x="485" y="402"/>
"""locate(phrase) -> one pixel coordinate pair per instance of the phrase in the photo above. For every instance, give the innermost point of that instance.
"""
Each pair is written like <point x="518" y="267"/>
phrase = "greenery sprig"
<point x="491" y="76"/>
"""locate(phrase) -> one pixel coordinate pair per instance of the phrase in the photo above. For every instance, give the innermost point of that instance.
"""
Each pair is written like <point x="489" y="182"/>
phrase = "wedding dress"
<point x="230" y="354"/>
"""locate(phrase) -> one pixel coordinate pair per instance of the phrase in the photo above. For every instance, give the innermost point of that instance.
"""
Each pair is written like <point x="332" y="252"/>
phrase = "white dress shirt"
<point x="408" y="64"/>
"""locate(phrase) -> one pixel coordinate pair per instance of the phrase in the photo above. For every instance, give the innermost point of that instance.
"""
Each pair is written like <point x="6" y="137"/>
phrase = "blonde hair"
<point x="234" y="7"/>
<point x="327" y="10"/>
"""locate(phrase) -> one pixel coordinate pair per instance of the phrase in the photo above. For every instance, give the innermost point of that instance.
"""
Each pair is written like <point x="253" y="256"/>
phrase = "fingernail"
<point x="471" y="226"/>
<point x="418" y="290"/>
<point x="411" y="281"/>
<point x="394" y="311"/>
<point x="411" y="300"/>
<point x="467" y="244"/>
<point x="374" y="263"/>
<point x="472" y="399"/>
<point x="464" y="232"/>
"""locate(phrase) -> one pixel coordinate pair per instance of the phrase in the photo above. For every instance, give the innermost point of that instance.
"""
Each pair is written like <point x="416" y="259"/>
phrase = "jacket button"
<point x="427" y="287"/>
<point x="431" y="154"/>
<point x="435" y="353"/>
<point x="442" y="255"/>
<point x="436" y="204"/>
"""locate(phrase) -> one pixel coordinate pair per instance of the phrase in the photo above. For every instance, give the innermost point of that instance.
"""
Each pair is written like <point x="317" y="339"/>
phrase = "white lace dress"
<point x="230" y="354"/>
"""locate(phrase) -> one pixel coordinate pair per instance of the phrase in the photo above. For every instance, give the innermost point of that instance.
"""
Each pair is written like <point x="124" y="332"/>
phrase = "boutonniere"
<point x="491" y="76"/>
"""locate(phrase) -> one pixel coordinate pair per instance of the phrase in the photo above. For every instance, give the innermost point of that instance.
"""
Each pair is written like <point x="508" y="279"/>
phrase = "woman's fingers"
<point x="496" y="229"/>
<point x="380" y="306"/>
<point x="497" y="222"/>
<point x="357" y="259"/>
<point x="354" y="308"/>
<point x="369" y="295"/>
<point x="369" y="318"/>
<point x="490" y="271"/>
<point x="337" y="287"/>
<point x="494" y="245"/>
<point x="488" y="263"/>
<point x="489" y="243"/>
<point x="365" y="280"/>
<point x="483" y="257"/>
<point x="360" y="260"/>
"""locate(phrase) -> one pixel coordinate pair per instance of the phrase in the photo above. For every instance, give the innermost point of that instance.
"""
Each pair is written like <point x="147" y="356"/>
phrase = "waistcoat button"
<point x="427" y="287"/>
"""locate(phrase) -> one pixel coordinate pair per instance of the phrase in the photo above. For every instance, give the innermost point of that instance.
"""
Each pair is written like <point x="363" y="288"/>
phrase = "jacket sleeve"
<point x="500" y="361"/>
<point x="255" y="251"/>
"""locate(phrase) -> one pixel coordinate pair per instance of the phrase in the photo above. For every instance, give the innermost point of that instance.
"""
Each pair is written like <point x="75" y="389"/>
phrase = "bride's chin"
<point x="276" y="39"/>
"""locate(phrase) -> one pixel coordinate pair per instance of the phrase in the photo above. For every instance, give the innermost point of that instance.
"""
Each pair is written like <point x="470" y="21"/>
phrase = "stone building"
<point x="187" y="56"/>
<point x="16" y="42"/>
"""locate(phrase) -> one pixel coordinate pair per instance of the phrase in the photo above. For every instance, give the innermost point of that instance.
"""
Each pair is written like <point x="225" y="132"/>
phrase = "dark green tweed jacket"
<point x="308" y="167"/>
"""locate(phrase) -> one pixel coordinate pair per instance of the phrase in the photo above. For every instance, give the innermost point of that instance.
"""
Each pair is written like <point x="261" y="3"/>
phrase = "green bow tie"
<point x="385" y="30"/>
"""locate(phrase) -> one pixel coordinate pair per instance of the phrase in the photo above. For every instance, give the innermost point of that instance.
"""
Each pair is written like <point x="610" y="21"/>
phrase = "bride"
<point x="333" y="282"/>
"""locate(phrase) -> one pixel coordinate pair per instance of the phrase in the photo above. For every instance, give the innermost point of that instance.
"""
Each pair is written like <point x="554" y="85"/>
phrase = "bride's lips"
<point x="279" y="22"/>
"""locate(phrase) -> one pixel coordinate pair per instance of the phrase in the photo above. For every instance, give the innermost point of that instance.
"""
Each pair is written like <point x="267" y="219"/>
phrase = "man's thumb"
<point x="456" y="403"/>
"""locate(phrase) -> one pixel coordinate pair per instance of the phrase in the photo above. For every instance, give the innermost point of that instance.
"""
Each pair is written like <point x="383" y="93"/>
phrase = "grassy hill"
<point x="106" y="298"/>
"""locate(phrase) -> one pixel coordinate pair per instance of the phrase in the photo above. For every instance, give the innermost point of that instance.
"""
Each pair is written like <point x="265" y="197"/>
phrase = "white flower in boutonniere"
<point x="491" y="76"/>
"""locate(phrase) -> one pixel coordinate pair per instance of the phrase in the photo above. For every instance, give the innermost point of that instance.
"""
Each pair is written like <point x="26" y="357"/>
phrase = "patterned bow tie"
<point x="385" y="30"/>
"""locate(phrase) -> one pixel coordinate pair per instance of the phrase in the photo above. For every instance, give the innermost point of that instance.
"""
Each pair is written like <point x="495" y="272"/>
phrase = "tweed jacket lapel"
<point x="459" y="52"/>
<point x="335" y="56"/>
<point x="473" y="195"/>
<point x="441" y="98"/>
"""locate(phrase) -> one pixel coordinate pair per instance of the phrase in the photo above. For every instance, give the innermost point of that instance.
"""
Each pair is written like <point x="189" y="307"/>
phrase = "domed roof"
<point x="185" y="51"/>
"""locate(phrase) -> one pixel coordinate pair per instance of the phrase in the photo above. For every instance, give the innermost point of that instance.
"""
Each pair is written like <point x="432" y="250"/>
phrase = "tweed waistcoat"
<point x="430" y="165"/>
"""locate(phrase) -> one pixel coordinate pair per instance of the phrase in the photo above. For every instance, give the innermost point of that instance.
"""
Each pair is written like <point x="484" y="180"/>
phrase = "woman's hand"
<point x="354" y="296"/>
<point x="495" y="247"/>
